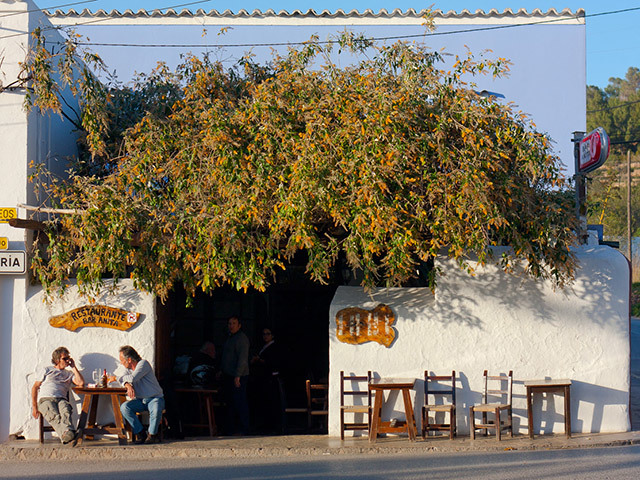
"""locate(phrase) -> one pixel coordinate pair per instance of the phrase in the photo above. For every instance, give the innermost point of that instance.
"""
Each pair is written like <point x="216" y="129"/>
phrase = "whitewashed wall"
<point x="23" y="138"/>
<point x="91" y="347"/>
<point x="500" y="322"/>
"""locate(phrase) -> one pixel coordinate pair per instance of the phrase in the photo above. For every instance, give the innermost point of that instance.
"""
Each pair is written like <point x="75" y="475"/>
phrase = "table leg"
<point x="567" y="411"/>
<point x="117" y="416"/>
<point x="210" y="415"/>
<point x="84" y="413"/>
<point x="530" y="411"/>
<point x="408" y="412"/>
<point x="376" y="415"/>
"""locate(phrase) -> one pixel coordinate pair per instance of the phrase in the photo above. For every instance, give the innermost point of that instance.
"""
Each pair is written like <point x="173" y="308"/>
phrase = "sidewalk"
<point x="300" y="445"/>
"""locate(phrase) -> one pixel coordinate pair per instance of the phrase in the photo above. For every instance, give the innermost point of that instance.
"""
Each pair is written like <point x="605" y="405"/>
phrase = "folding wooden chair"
<point x="503" y="394"/>
<point x="43" y="428"/>
<point x="353" y="388"/>
<point x="317" y="402"/>
<point x="437" y="388"/>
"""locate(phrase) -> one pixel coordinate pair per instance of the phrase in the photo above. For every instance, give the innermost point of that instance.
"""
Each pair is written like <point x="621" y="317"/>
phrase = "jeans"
<point x="154" y="405"/>
<point x="237" y="405"/>
<point x="56" y="411"/>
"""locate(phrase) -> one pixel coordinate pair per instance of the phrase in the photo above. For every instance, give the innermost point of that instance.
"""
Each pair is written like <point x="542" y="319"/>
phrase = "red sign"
<point x="594" y="150"/>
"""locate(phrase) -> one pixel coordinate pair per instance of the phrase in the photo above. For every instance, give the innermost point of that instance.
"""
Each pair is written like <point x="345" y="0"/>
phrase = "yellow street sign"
<point x="4" y="243"/>
<point x="7" y="213"/>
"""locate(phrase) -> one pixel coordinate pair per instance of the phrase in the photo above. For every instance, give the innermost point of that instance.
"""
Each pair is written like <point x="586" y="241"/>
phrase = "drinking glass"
<point x="96" y="377"/>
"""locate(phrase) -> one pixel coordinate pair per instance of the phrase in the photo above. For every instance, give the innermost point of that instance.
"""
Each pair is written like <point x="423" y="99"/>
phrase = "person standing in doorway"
<point x="53" y="385"/>
<point x="235" y="370"/>
<point x="145" y="394"/>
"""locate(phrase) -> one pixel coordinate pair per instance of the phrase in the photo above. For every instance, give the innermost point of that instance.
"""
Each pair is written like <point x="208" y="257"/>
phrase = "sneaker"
<point x="153" y="439"/>
<point x="140" y="437"/>
<point x="68" y="436"/>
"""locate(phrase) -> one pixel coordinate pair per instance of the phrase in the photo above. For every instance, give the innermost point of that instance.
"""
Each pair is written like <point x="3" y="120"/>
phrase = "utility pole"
<point x="629" y="238"/>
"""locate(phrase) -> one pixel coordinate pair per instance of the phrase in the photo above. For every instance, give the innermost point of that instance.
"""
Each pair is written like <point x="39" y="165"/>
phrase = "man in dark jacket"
<point x="235" y="370"/>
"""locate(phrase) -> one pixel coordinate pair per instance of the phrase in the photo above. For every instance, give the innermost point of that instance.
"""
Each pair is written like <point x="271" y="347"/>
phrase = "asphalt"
<point x="310" y="445"/>
<point x="301" y="445"/>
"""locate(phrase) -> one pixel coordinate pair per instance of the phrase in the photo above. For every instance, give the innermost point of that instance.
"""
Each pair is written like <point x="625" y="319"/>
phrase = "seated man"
<point x="202" y="366"/>
<point x="53" y="386"/>
<point x="145" y="393"/>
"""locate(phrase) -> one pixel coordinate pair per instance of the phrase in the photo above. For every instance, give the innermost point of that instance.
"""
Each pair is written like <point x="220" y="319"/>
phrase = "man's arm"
<point x="34" y="399"/>
<point x="243" y="359"/>
<point x="78" y="379"/>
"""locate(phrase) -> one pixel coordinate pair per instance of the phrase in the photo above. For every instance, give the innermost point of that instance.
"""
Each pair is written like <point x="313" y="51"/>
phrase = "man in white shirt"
<point x="53" y="387"/>
<point x="145" y="393"/>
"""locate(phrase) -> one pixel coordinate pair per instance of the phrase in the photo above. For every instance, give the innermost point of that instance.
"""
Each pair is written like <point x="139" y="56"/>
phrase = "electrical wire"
<point x="375" y="39"/>
<point x="626" y="104"/>
<point x="46" y="8"/>
<point x="99" y="19"/>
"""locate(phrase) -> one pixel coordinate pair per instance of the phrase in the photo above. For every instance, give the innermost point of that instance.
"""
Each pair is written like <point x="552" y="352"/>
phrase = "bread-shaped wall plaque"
<point x="356" y="325"/>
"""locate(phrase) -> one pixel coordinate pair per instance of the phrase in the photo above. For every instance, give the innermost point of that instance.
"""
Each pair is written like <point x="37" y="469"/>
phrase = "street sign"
<point x="7" y="213"/>
<point x="4" y="243"/>
<point x="594" y="150"/>
<point x="13" y="261"/>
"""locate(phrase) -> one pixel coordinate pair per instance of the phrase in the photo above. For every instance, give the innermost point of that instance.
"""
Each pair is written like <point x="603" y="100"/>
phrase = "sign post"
<point x="590" y="152"/>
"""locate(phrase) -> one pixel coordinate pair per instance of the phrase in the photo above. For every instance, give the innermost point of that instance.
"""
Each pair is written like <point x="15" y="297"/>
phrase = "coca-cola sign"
<point x="594" y="150"/>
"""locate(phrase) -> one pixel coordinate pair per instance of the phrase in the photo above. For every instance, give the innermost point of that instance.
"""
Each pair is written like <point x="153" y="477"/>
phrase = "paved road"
<point x="611" y="463"/>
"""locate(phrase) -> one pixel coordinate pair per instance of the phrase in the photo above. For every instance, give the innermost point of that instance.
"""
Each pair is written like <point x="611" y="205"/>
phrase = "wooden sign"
<point x="357" y="325"/>
<point x="95" y="316"/>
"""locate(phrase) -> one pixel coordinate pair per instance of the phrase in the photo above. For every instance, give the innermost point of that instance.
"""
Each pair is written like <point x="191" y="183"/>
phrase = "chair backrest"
<point x="497" y="386"/>
<point x="317" y="396"/>
<point x="439" y="387"/>
<point x="354" y="387"/>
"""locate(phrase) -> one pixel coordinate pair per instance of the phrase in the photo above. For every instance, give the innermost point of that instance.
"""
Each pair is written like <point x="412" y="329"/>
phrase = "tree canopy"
<point x="617" y="109"/>
<point x="211" y="176"/>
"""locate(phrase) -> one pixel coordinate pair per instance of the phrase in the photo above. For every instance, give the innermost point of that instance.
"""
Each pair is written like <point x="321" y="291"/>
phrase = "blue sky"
<point x="611" y="39"/>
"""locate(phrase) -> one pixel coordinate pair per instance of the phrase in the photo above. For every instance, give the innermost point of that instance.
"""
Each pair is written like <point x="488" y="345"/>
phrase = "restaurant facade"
<point x="493" y="320"/>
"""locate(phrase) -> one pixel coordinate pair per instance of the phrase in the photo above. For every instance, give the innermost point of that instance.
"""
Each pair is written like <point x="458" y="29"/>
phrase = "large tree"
<point x="617" y="109"/>
<point x="211" y="176"/>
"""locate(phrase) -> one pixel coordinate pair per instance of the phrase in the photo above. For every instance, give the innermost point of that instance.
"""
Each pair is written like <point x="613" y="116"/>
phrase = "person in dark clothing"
<point x="203" y="366"/>
<point x="268" y="387"/>
<point x="235" y="371"/>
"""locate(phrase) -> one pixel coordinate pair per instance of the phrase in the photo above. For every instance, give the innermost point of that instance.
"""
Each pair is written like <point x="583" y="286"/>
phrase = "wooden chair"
<point x="503" y="396"/>
<point x="43" y="428"/>
<point x="317" y="402"/>
<point x="438" y="387"/>
<point x="355" y="387"/>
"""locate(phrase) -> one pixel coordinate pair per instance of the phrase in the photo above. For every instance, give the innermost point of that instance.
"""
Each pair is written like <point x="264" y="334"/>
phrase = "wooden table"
<point x="205" y="404"/>
<point x="403" y="385"/>
<point x="87" y="426"/>
<point x="562" y="385"/>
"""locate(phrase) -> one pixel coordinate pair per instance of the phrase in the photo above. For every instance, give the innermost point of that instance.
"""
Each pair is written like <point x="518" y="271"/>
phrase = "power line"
<point x="614" y="107"/>
<point x="396" y="37"/>
<point x="46" y="8"/>
<point x="100" y="19"/>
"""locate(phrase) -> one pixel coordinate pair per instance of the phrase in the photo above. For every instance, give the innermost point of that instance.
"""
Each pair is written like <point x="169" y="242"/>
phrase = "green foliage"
<point x="617" y="109"/>
<point x="223" y="176"/>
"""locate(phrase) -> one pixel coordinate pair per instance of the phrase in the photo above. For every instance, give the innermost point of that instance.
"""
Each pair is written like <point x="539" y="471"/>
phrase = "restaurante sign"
<point x="357" y="325"/>
<point x="95" y="316"/>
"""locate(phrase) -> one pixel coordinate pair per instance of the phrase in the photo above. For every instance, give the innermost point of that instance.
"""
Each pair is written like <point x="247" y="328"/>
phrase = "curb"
<point x="32" y="451"/>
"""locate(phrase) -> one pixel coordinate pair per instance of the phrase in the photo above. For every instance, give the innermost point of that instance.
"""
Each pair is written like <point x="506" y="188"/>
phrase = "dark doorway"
<point x="297" y="310"/>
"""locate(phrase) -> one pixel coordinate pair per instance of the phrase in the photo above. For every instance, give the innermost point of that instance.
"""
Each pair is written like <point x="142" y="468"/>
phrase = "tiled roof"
<point x="324" y="14"/>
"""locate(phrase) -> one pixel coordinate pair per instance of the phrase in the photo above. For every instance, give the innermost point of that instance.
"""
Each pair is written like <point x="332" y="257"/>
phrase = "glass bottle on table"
<point x="104" y="379"/>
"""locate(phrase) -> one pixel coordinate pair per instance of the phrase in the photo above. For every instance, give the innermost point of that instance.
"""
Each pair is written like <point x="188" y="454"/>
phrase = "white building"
<point x="491" y="321"/>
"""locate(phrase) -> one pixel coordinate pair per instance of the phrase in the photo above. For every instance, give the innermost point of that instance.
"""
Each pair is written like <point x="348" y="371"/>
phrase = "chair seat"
<point x="440" y="408"/>
<point x="355" y="408"/>
<point x="490" y="407"/>
<point x="296" y="410"/>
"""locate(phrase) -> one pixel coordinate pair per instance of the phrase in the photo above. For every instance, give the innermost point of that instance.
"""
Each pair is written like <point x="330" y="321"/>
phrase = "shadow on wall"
<point x="599" y="397"/>
<point x="92" y="361"/>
